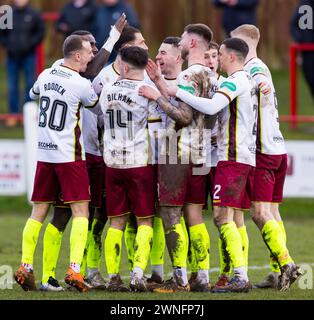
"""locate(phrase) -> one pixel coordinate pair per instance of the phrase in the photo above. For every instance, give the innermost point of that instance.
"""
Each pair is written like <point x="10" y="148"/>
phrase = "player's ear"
<point x="126" y="67"/>
<point x="77" y="56"/>
<point x="193" y="43"/>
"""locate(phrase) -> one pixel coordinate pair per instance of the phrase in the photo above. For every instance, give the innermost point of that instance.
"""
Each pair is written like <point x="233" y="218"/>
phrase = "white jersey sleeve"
<point x="34" y="91"/>
<point x="269" y="137"/>
<point x="88" y="96"/>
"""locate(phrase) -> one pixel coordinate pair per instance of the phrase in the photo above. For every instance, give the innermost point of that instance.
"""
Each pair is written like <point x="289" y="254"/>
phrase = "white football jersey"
<point x="269" y="139"/>
<point x="126" y="118"/>
<point x="90" y="126"/>
<point x="191" y="143"/>
<point x="214" y="146"/>
<point x="236" y="123"/>
<point x="110" y="75"/>
<point x="62" y="92"/>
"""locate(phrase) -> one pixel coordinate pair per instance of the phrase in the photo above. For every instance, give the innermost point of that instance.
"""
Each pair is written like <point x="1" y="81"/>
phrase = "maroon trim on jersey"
<point x="258" y="125"/>
<point x="77" y="134"/>
<point x="232" y="152"/>
<point x="170" y="79"/>
<point x="225" y="94"/>
<point x="62" y="65"/>
<point x="114" y="69"/>
<point x="250" y="60"/>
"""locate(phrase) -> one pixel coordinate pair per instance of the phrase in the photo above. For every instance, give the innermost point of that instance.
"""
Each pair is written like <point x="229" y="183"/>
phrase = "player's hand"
<point x="153" y="70"/>
<point x="172" y="91"/>
<point x="121" y="22"/>
<point x="149" y="93"/>
<point x="265" y="88"/>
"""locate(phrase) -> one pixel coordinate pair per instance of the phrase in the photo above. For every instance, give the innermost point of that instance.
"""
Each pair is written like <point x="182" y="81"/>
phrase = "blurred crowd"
<point x="28" y="32"/>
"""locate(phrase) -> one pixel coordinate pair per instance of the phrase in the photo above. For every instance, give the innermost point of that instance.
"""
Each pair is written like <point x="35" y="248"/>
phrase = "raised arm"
<point x="101" y="58"/>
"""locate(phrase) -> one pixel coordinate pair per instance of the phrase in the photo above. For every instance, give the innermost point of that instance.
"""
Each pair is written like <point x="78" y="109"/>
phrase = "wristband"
<point x="114" y="36"/>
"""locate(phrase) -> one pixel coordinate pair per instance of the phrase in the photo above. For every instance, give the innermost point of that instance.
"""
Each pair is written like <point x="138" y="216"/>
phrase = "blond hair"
<point x="247" y="30"/>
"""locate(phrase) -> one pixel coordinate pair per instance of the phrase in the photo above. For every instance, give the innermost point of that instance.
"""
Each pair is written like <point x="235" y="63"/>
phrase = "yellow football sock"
<point x="51" y="249"/>
<point x="177" y="250"/>
<point x="29" y="242"/>
<point x="129" y="240"/>
<point x="113" y="247"/>
<point x="245" y="245"/>
<point x="200" y="242"/>
<point x="282" y="227"/>
<point x="94" y="246"/>
<point x="225" y="263"/>
<point x="78" y="238"/>
<point x="158" y="247"/>
<point x="231" y="236"/>
<point x="185" y="230"/>
<point x="275" y="241"/>
<point x="84" y="260"/>
<point x="143" y="245"/>
<point x="273" y="262"/>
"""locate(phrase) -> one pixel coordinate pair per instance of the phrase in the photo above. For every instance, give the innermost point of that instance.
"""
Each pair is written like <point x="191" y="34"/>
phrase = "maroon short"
<point x="130" y="190"/>
<point x="211" y="182"/>
<point x="178" y="186"/>
<point x="196" y="189"/>
<point x="96" y="173"/>
<point x="233" y="185"/>
<point x="269" y="177"/>
<point x="70" y="178"/>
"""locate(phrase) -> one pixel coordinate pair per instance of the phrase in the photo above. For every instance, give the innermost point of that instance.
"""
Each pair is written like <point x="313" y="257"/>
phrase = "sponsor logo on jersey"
<point x="252" y="149"/>
<point x="257" y="70"/>
<point x="125" y="84"/>
<point x="229" y="85"/>
<point x="47" y="145"/>
<point x="189" y="89"/>
<point x="278" y="139"/>
<point x="61" y="73"/>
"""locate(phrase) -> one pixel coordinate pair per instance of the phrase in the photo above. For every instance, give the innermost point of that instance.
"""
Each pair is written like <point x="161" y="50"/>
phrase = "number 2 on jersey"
<point x="217" y="189"/>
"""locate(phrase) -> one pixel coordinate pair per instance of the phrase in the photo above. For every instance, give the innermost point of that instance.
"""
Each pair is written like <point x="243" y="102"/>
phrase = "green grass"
<point x="301" y="248"/>
<point x="291" y="207"/>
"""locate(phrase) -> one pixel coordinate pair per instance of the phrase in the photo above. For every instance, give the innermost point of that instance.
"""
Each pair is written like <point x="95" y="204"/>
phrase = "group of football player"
<point x="142" y="144"/>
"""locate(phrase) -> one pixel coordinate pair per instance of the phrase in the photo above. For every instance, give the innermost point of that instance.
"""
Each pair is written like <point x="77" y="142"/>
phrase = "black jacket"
<point x="242" y="13"/>
<point x="77" y="18"/>
<point x="28" y="31"/>
<point x="298" y="34"/>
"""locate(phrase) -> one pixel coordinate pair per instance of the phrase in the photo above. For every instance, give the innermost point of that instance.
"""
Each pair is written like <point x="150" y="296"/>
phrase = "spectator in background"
<point x="304" y="34"/>
<point x="107" y="14"/>
<point x="237" y="12"/>
<point x="77" y="15"/>
<point x="20" y="44"/>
